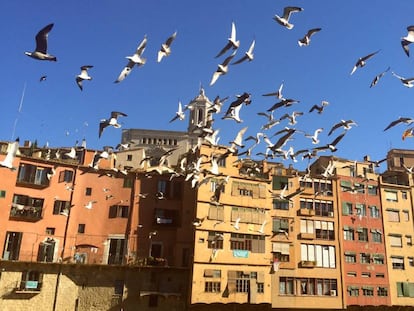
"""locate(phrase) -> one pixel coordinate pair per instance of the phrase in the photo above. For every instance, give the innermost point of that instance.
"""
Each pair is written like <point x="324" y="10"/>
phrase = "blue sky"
<point x="88" y="33"/>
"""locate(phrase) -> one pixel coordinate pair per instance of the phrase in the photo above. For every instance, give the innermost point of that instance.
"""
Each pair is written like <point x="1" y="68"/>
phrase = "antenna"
<point x="19" y="110"/>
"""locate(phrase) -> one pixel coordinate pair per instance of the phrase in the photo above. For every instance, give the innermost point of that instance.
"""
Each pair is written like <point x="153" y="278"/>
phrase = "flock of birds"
<point x="278" y="148"/>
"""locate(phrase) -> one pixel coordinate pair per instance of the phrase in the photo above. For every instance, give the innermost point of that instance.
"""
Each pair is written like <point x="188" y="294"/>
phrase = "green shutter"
<point x="345" y="208"/>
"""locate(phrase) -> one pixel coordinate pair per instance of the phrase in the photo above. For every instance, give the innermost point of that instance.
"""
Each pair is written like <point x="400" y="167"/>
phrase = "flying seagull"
<point x="319" y="108"/>
<point x="232" y="42"/>
<point x="248" y="56"/>
<point x="405" y="120"/>
<point x="408" y="82"/>
<point x="179" y="114"/>
<point x="165" y="49"/>
<point x="361" y="62"/>
<point x="135" y="59"/>
<point x="332" y="146"/>
<point x="278" y="93"/>
<point x="378" y="77"/>
<point x="40" y="52"/>
<point x="284" y="19"/>
<point x="346" y="124"/>
<point x="113" y="121"/>
<point x="305" y="41"/>
<point x="222" y="68"/>
<point x="283" y="103"/>
<point x="84" y="75"/>
<point x="42" y="78"/>
<point x="407" y="40"/>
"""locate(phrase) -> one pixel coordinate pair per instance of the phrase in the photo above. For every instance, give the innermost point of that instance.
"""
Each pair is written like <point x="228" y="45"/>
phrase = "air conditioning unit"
<point x="333" y="292"/>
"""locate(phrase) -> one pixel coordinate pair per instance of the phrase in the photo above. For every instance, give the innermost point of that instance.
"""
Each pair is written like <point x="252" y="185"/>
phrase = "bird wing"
<point x="171" y="39"/>
<point x="289" y="10"/>
<point x="79" y="82"/>
<point x="41" y="39"/>
<point x="125" y="72"/>
<point x="141" y="46"/>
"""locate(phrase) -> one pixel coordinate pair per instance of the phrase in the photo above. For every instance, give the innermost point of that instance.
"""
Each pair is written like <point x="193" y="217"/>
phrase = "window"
<point x="324" y="230"/>
<point x="12" y="245"/>
<point x="215" y="240"/>
<point x="382" y="291"/>
<point x="364" y="258"/>
<point x="353" y="291"/>
<point x="395" y="240"/>
<point x="216" y="212"/>
<point x="346" y="186"/>
<point x="50" y="231"/>
<point x="365" y="274"/>
<point x="346" y="208"/>
<point x="307" y="286"/>
<point x="362" y="234"/>
<point x="212" y="282"/>
<point x="374" y="211"/>
<point x="128" y="183"/>
<point x="359" y="188"/>
<point x="129" y="157"/>
<point x="306" y="226"/>
<point x="279" y="182"/>
<point x="397" y="262"/>
<point x="88" y="191"/>
<point x="32" y="174"/>
<point x="221" y="162"/>
<point x="378" y="259"/>
<point x="367" y="291"/>
<point x="376" y="236"/>
<point x="380" y="275"/>
<point x="351" y="274"/>
<point x="391" y="195"/>
<point x="248" y="215"/>
<point x="66" y="176"/>
<point x="248" y="242"/>
<point x="31" y="281"/>
<point x="324" y="208"/>
<point x="348" y="233"/>
<point x="350" y="257"/>
<point x="118" y="211"/>
<point x="393" y="215"/>
<point x="2" y="193"/>
<point x="323" y="187"/>
<point x="372" y="190"/>
<point x="404" y="195"/>
<point x="280" y="252"/>
<point x="361" y="209"/>
<point x="166" y="217"/>
<point x="286" y="286"/>
<point x="280" y="225"/>
<point x="212" y="287"/>
<point x="409" y="240"/>
<point x="60" y="207"/>
<point x="410" y="261"/>
<point x="320" y="255"/>
<point x="281" y="204"/>
<point x="81" y="228"/>
<point x="26" y="207"/>
<point x="406" y="216"/>
<point x="242" y="282"/>
<point x="405" y="289"/>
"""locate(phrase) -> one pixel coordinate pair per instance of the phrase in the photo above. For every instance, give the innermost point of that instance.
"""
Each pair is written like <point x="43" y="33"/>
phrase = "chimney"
<point x="27" y="143"/>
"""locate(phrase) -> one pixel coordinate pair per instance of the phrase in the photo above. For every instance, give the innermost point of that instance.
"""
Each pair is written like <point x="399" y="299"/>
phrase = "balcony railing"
<point x="26" y="213"/>
<point x="307" y="264"/>
<point x="306" y="212"/>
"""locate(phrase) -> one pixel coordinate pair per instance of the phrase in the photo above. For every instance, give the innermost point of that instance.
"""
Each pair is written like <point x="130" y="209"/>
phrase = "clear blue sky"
<point x="102" y="33"/>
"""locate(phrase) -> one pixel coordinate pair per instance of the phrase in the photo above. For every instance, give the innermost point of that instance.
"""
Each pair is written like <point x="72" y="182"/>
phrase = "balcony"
<point x="306" y="212"/>
<point x="307" y="236"/>
<point x="25" y="213"/>
<point x="307" y="264"/>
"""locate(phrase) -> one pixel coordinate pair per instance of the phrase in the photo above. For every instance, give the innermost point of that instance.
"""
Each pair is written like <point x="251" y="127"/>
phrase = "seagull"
<point x="408" y="82"/>
<point x="222" y="68"/>
<point x="165" y="49"/>
<point x="378" y="77"/>
<point x="346" y="124"/>
<point x="248" y="56"/>
<point x="408" y="133"/>
<point x="278" y="93"/>
<point x="89" y="205"/>
<point x="179" y="114"/>
<point x="232" y="42"/>
<point x="71" y="154"/>
<point x="332" y="146"/>
<point x="83" y="75"/>
<point x="113" y="120"/>
<point x="271" y="121"/>
<point x="405" y="120"/>
<point x="238" y="140"/>
<point x="409" y="170"/>
<point x="135" y="59"/>
<point x="236" y="224"/>
<point x="40" y="52"/>
<point x="305" y="41"/>
<point x="361" y="62"/>
<point x="12" y="150"/>
<point x="284" y="19"/>
<point x="319" y="108"/>
<point x="407" y="40"/>
<point x="42" y="78"/>
<point x="291" y="117"/>
<point x="283" y="103"/>
<point x="233" y="113"/>
<point x="314" y="137"/>
<point x="261" y="229"/>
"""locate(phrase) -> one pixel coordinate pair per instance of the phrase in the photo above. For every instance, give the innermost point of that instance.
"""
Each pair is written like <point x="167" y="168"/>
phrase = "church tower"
<point x="199" y="115"/>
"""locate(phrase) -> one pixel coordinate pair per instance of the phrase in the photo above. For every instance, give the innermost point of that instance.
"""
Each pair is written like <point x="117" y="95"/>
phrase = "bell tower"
<point x="199" y="112"/>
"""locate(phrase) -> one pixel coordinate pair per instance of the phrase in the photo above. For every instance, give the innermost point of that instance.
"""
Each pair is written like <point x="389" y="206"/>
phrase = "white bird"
<point x="271" y="121"/>
<point x="165" y="49"/>
<point x="234" y="114"/>
<point x="135" y="59"/>
<point x="238" y="140"/>
<point x="84" y="75"/>
<point x="112" y="121"/>
<point x="408" y="82"/>
<point x="12" y="150"/>
<point x="179" y="113"/>
<point x="278" y="93"/>
<point x="305" y="41"/>
<point x="248" y="56"/>
<point x="261" y="230"/>
<point x="71" y="154"/>
<point x="232" y="43"/>
<point x="284" y="19"/>
<point x="292" y="117"/>
<point x="378" y="77"/>
<point x="319" y="108"/>
<point x="222" y="68"/>
<point x="345" y="124"/>
<point x="90" y="204"/>
<point x="407" y="40"/>
<point x="212" y="138"/>
<point x="40" y="52"/>
<point x="314" y="137"/>
<point x="362" y="61"/>
<point x="405" y="120"/>
<point x="236" y="224"/>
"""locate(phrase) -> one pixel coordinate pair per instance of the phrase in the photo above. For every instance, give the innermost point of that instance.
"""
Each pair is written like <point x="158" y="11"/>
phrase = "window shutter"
<point x="113" y="211"/>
